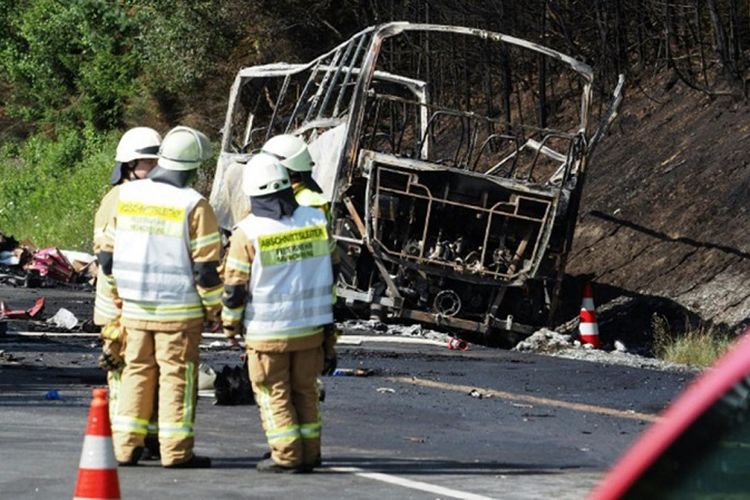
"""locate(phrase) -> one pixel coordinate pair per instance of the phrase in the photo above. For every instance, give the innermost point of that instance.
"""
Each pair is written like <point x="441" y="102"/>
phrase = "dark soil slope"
<point x="665" y="207"/>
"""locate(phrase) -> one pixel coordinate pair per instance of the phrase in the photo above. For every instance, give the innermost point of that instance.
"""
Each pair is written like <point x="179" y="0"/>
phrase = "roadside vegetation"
<point x="75" y="74"/>
<point x="51" y="186"/>
<point x="695" y="345"/>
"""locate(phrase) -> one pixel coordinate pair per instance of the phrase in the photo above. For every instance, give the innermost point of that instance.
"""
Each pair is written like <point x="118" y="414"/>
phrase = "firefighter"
<point x="134" y="159"/>
<point x="278" y="284"/>
<point x="161" y="252"/>
<point x="293" y="154"/>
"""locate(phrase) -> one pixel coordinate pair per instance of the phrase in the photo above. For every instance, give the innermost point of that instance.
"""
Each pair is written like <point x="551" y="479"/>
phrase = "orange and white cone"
<point x="97" y="472"/>
<point x="588" y="326"/>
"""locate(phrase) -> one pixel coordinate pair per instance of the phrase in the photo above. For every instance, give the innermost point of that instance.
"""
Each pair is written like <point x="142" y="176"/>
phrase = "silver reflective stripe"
<point x="273" y="298"/>
<point x="97" y="453"/>
<point x="186" y="291"/>
<point x="258" y="314"/>
<point x="188" y="408"/>
<point x="131" y="425"/>
<point x="287" y="433"/>
<point x="265" y="406"/>
<point x="175" y="430"/>
<point x="125" y="265"/>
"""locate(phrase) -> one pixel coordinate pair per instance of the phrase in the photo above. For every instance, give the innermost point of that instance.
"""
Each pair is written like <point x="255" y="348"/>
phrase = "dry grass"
<point x="697" y="345"/>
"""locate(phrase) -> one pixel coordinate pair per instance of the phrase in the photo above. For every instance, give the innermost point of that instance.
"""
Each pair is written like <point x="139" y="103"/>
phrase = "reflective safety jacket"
<point x="309" y="198"/>
<point x="106" y="306"/>
<point x="154" y="251"/>
<point x="290" y="279"/>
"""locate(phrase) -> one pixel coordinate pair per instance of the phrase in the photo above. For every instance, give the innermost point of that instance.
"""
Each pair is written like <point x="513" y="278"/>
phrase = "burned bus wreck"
<point x="454" y="160"/>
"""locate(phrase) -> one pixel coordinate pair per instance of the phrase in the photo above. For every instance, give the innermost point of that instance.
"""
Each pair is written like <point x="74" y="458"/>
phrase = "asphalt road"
<point x="543" y="427"/>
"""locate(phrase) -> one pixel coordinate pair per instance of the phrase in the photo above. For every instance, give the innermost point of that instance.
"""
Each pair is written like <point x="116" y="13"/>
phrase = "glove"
<point x="114" y="345"/>
<point x="111" y="358"/>
<point x="330" y="360"/>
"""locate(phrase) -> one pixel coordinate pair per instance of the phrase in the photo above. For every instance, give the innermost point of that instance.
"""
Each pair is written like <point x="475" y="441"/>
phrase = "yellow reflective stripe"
<point x="310" y="431"/>
<point x="294" y="333"/>
<point x="166" y="307"/>
<point x="284" y="434"/>
<point x="205" y="241"/>
<point x="131" y="425"/>
<point x="237" y="265"/>
<point x="188" y="407"/>
<point x="153" y="428"/>
<point x="134" y="310"/>
<point x="160" y="212"/>
<point x="212" y="296"/>
<point x="295" y="244"/>
<point x="265" y="406"/>
<point x="114" y="392"/>
<point x="171" y="430"/>
<point x="232" y="314"/>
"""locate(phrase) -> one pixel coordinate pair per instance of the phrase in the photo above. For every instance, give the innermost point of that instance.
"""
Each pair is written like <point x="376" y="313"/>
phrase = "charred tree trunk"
<point x="543" y="72"/>
<point x="721" y="44"/>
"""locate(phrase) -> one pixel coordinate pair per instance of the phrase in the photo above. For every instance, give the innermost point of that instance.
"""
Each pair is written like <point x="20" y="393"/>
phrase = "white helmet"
<point x="291" y="151"/>
<point x="263" y="175"/>
<point x="184" y="149"/>
<point x="138" y="143"/>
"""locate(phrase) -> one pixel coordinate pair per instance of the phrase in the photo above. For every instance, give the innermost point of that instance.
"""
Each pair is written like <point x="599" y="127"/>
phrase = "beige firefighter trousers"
<point x="159" y="365"/>
<point x="286" y="390"/>
<point x="113" y="382"/>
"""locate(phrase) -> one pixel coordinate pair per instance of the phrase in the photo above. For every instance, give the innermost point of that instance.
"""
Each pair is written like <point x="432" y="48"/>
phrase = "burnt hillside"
<point x="665" y="207"/>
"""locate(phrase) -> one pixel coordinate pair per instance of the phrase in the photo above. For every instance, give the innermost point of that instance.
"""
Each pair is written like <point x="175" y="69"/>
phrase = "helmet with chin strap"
<point x="263" y="175"/>
<point x="291" y="151"/>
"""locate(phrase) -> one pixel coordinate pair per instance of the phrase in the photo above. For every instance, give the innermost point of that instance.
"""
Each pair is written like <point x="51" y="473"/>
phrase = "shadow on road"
<point x="336" y="465"/>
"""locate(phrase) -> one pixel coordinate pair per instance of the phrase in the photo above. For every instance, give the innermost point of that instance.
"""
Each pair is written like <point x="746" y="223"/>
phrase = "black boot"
<point x="303" y="468"/>
<point x="268" y="465"/>
<point x="151" y="450"/>
<point x="134" y="457"/>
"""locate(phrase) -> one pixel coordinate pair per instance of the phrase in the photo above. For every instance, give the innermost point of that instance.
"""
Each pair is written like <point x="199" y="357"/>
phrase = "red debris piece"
<point x="36" y="308"/>
<point x="32" y="312"/>
<point x="51" y="262"/>
<point x="455" y="344"/>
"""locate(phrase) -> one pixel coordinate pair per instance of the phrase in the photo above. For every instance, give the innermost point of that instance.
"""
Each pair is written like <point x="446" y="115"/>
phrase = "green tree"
<point x="68" y="61"/>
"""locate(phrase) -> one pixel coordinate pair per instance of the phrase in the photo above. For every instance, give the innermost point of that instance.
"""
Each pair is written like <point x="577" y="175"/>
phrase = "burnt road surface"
<point x="536" y="426"/>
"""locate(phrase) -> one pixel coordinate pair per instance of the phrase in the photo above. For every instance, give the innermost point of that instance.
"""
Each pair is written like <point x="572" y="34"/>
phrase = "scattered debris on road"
<point x="353" y="372"/>
<point x="32" y="268"/>
<point x="479" y="395"/>
<point x="386" y="390"/>
<point x="53" y="395"/>
<point x="232" y="386"/>
<point x="31" y="312"/>
<point x="550" y="342"/>
<point x="377" y="327"/>
<point x="64" y="319"/>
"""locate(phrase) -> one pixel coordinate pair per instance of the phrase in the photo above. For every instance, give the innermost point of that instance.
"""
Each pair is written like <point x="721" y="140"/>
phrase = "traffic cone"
<point x="588" y="326"/>
<point x="97" y="472"/>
